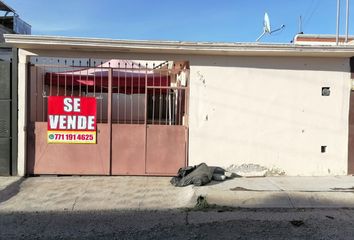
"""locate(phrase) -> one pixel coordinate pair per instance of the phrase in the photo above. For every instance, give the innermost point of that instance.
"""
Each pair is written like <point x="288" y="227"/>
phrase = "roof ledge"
<point x="29" y="42"/>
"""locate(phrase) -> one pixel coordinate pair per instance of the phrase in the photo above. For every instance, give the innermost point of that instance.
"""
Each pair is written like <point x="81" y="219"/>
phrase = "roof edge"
<point x="179" y="47"/>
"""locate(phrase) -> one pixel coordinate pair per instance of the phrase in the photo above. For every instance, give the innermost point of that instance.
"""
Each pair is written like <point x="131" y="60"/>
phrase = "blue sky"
<point x="198" y="20"/>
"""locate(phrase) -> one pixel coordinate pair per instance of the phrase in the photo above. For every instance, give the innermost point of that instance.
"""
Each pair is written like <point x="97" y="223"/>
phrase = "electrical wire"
<point x="313" y="12"/>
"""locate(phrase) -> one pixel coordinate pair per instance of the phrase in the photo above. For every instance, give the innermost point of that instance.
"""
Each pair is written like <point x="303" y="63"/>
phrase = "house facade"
<point x="278" y="108"/>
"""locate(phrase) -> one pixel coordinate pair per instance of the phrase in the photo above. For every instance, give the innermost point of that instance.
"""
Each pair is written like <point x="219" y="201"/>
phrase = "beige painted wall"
<point x="269" y="111"/>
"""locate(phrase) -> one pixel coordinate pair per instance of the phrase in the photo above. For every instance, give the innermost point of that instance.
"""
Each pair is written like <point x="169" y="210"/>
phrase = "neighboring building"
<point x="10" y="22"/>
<point x="322" y="40"/>
<point x="283" y="108"/>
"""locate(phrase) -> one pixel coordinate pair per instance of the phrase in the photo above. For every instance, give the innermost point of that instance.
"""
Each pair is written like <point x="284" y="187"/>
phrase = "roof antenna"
<point x="267" y="28"/>
<point x="300" y="25"/>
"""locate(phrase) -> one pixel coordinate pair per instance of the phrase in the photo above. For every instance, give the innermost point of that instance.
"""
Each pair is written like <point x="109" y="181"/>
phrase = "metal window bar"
<point x="58" y="69"/>
<point x="101" y="96"/>
<point x="50" y="83"/>
<point x="131" y="94"/>
<point x="125" y="92"/>
<point x="153" y="95"/>
<point x="167" y="97"/>
<point x="174" y="100"/>
<point x="87" y="75"/>
<point x="118" y="93"/>
<point x="115" y="97"/>
<point x="169" y="120"/>
<point x="146" y="97"/>
<point x="94" y="79"/>
<point x="65" y="78"/>
<point x="80" y="80"/>
<point x="174" y="106"/>
<point x="138" y="94"/>
<point x="160" y="97"/>
<point x="179" y="106"/>
<point x="186" y="94"/>
<point x="72" y="80"/>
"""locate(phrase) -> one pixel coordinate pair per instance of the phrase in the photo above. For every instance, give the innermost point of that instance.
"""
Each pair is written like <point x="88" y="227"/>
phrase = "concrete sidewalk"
<point x="282" y="192"/>
<point x="97" y="193"/>
<point x="156" y="193"/>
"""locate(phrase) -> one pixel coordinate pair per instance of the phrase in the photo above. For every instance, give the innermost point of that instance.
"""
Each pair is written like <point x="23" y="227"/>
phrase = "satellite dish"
<point x="266" y="23"/>
<point x="267" y="28"/>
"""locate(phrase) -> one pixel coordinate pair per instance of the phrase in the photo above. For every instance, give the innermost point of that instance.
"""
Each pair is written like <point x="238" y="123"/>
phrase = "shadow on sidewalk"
<point x="11" y="190"/>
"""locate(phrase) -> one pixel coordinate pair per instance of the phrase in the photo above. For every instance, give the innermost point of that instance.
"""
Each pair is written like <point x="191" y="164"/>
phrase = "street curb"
<point x="277" y="199"/>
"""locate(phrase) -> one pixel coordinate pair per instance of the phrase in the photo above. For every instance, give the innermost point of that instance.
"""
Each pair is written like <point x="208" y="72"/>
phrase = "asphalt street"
<point x="215" y="223"/>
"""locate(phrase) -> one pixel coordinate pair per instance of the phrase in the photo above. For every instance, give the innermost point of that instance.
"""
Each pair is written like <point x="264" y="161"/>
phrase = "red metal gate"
<point x="142" y="126"/>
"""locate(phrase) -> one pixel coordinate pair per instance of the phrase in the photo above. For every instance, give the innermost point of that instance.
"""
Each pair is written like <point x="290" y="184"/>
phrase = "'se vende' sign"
<point x="71" y="119"/>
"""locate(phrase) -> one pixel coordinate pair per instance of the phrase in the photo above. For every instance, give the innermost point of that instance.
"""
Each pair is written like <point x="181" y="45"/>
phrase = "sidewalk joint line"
<point x="77" y="198"/>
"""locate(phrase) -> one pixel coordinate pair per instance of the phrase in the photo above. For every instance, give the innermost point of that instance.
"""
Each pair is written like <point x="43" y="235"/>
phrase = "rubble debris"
<point x="202" y="203"/>
<point x="297" y="223"/>
<point x="255" y="170"/>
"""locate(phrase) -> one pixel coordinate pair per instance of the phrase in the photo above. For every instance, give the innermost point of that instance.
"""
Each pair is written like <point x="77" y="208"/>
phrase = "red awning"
<point x="127" y="80"/>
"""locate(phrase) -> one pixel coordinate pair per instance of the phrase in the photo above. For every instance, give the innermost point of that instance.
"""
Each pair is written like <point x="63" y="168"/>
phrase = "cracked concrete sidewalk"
<point x="156" y="193"/>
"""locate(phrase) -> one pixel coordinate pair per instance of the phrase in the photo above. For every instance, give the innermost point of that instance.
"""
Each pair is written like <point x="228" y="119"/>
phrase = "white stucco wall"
<point x="22" y="84"/>
<point x="270" y="111"/>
